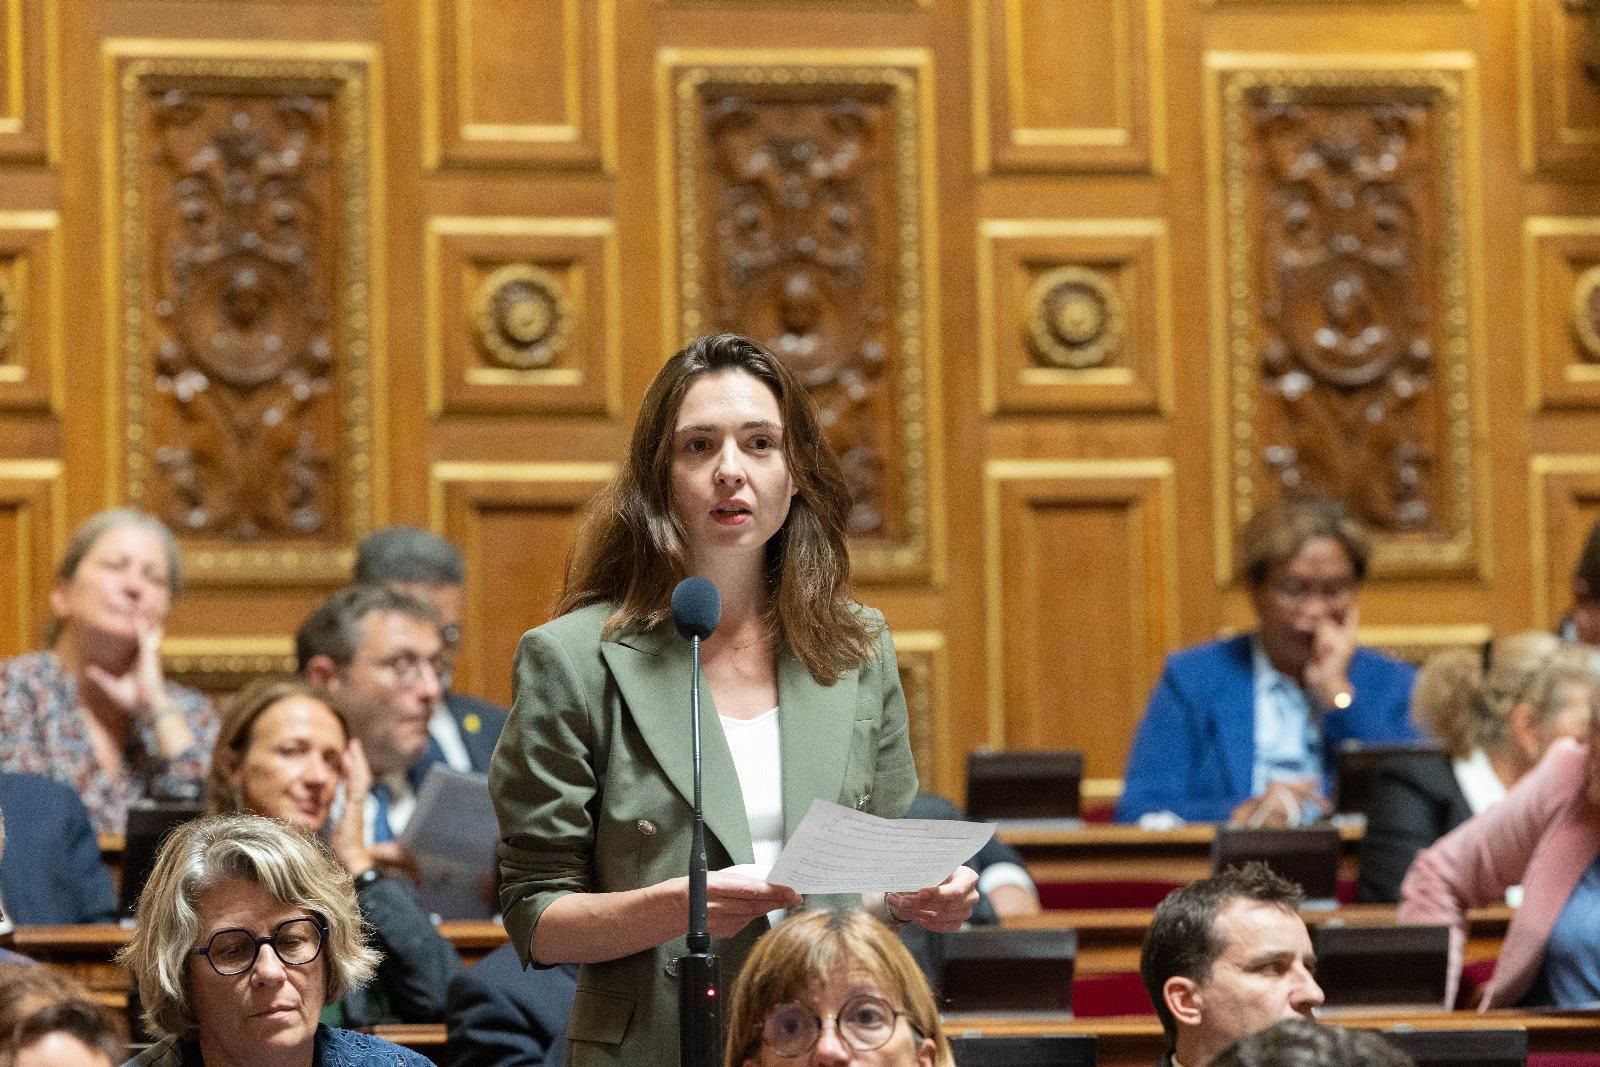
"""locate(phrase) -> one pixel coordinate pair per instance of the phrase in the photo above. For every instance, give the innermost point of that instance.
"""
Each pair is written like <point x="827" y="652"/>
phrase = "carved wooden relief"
<point x="522" y="315"/>
<point x="246" y="307"/>
<point x="1347" y="323"/>
<point x="1074" y="315"/>
<point x="30" y="310"/>
<point x="800" y="201"/>
<point x="1562" y="259"/>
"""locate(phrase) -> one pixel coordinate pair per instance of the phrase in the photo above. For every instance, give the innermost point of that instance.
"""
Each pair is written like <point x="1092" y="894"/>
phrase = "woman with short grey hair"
<point x="224" y="889"/>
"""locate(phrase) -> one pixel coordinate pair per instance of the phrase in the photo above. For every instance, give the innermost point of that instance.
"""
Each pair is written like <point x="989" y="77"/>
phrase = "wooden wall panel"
<point x="1559" y="115"/>
<point x="1074" y="315"/>
<point x="245" y="301"/>
<point x="1068" y="87"/>
<point x="30" y="311"/>
<point x="1074" y="651"/>
<point x="31" y="510"/>
<point x="523" y="316"/>
<point x="1561" y="257"/>
<point x="800" y="182"/>
<point x="1564" y="506"/>
<point x="1341" y="295"/>
<point x="28" y="42"/>
<point x="514" y="523"/>
<point x="518" y="82"/>
<point x="925" y="677"/>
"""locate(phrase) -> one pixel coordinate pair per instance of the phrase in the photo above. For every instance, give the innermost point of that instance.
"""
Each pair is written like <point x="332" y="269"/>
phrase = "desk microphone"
<point x="696" y="609"/>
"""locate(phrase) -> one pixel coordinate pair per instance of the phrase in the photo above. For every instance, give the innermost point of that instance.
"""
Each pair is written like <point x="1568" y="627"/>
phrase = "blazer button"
<point x="645" y="827"/>
<point x="672" y="967"/>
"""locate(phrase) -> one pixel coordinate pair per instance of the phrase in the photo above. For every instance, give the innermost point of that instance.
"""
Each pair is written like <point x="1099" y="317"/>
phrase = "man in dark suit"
<point x="1224" y="957"/>
<point x="50" y="867"/>
<point x="498" y="1015"/>
<point x="463" y="730"/>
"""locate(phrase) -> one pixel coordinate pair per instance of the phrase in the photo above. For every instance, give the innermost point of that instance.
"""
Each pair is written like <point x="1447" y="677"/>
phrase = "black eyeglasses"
<point x="234" y="951"/>
<point x="864" y="1023"/>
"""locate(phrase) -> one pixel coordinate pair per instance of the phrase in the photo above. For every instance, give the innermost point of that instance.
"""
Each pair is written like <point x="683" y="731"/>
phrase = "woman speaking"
<point x="728" y="477"/>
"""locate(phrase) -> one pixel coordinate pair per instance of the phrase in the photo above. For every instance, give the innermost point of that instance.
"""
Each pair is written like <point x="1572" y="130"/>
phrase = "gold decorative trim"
<point x="1541" y="469"/>
<point x="46" y="475"/>
<point x="907" y="73"/>
<point x="1554" y="379"/>
<point x="8" y="320"/>
<point x="441" y="476"/>
<point x="922" y="655"/>
<point x="1076" y="320"/>
<point x="350" y="68"/>
<point x="1158" y="471"/>
<point x="32" y="300"/>
<point x="1451" y="78"/>
<point x="249" y="656"/>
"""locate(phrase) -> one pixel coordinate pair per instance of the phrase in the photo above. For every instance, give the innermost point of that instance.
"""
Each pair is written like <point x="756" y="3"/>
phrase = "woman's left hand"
<point x="941" y="908"/>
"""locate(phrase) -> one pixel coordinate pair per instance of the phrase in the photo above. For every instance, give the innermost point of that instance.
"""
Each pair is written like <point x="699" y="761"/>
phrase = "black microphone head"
<point x="696" y="607"/>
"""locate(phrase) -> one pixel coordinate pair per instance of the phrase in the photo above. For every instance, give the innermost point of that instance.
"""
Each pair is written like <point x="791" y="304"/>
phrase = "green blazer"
<point x="593" y="778"/>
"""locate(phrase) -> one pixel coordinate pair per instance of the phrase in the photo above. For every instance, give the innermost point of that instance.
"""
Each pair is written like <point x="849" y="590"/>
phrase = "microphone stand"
<point x="699" y="1018"/>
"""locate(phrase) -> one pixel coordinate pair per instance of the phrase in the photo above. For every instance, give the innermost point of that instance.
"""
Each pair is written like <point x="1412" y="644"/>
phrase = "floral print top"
<point x="42" y="731"/>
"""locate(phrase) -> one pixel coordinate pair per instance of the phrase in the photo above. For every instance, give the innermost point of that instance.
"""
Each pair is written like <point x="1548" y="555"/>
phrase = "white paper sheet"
<point x="453" y="834"/>
<point x="838" y="850"/>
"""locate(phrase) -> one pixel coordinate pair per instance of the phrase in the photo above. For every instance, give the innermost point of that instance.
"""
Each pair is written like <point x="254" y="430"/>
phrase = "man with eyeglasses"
<point x="1244" y="729"/>
<point x="462" y="730"/>
<point x="377" y="652"/>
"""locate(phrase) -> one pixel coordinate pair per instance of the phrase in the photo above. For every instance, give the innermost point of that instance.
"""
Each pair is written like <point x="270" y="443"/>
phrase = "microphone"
<point x="696" y="610"/>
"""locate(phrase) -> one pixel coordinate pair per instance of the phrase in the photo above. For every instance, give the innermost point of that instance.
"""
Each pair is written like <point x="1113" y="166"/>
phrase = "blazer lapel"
<point x="652" y="672"/>
<point x="815" y="737"/>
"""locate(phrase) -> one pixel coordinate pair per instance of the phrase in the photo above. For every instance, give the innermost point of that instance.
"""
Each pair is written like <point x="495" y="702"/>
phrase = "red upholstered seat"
<point x="1097" y="996"/>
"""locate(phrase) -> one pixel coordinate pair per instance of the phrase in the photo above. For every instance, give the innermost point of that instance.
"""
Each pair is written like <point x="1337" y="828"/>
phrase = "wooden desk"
<point x="1120" y="853"/>
<point x="1137" y="1041"/>
<point x="1109" y="939"/>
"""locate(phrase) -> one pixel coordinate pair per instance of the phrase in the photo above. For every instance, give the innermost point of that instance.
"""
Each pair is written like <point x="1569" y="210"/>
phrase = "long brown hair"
<point x="630" y="551"/>
<point x="237" y="728"/>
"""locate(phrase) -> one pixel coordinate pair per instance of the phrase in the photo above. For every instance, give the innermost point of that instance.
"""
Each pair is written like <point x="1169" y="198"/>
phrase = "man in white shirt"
<point x="1227" y="956"/>
<point x="378" y="653"/>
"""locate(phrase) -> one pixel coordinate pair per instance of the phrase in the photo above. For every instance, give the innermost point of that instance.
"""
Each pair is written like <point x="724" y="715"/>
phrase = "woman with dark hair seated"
<point x="246" y="929"/>
<point x="283" y="751"/>
<point x="49" y="1020"/>
<point x="833" y="986"/>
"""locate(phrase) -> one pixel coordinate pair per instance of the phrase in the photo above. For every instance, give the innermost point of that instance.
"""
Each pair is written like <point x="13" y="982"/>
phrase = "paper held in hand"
<point x="838" y="850"/>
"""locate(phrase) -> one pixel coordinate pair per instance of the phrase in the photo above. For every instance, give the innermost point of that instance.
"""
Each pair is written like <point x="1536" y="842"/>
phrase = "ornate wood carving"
<point x="1076" y="319"/>
<point x="246" y="307"/>
<point x="800" y="199"/>
<point x="1348" y="316"/>
<point x="520" y="318"/>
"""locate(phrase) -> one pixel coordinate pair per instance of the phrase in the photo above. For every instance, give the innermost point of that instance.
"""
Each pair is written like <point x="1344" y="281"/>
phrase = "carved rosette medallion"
<point x="245" y="308"/>
<point x="8" y="321"/>
<point x="800" y="206"/>
<point x="1347" y="318"/>
<point x="1586" y="313"/>
<point x="1076" y="319"/>
<point x="519" y="317"/>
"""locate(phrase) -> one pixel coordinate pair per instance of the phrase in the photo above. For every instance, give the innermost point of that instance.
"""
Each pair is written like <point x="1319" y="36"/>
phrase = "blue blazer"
<point x="498" y="1015"/>
<point x="478" y="722"/>
<point x="51" y="872"/>
<point x="1195" y="750"/>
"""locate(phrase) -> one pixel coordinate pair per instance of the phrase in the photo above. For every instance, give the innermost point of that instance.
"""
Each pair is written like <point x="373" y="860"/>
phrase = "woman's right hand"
<point x="348" y="838"/>
<point x="733" y="901"/>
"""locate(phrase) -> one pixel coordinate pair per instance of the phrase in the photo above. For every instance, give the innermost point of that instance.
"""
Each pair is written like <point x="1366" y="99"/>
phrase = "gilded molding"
<point x="245" y="657"/>
<point x="31" y="375"/>
<point x="906" y="76"/>
<point x="345" y="74"/>
<point x="1567" y="376"/>
<point x="1446" y="83"/>
<point x="923" y="670"/>
<point x="1076" y="320"/>
<point x="520" y="318"/>
<point x="43" y="485"/>
<point x="1543" y="469"/>
<point x="1585" y="312"/>
<point x="8" y="321"/>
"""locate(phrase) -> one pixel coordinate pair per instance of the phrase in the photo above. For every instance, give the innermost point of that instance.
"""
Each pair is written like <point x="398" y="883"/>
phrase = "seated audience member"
<point x="49" y="1020"/>
<point x="1301" y="1043"/>
<point x="1245" y="728"/>
<point x="378" y="651"/>
<point x="833" y="987"/>
<point x="1227" y="956"/>
<point x="1005" y="890"/>
<point x="1583" y="618"/>
<point x="283" y="750"/>
<point x="246" y="930"/>
<point x="498" y="1015"/>
<point x="94" y="710"/>
<point x="51" y="873"/>
<point x="1497" y="710"/>
<point x="1544" y="836"/>
<point x="462" y="730"/>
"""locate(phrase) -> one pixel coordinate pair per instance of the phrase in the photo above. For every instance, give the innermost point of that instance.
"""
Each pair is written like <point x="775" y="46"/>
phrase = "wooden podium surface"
<point x="1097" y="852"/>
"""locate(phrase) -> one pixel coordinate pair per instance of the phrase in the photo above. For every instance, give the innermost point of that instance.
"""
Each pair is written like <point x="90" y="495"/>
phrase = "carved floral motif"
<point x="520" y="318"/>
<point x="799" y="207"/>
<point x="1076" y="319"/>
